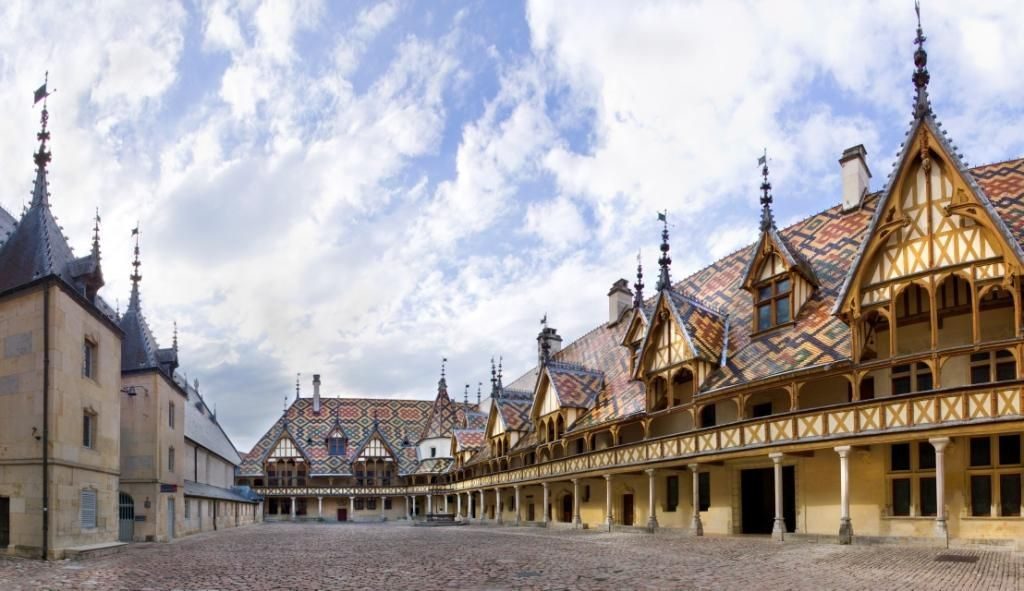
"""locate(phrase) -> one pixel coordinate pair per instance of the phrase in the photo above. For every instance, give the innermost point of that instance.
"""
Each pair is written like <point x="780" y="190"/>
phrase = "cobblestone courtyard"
<point x="398" y="556"/>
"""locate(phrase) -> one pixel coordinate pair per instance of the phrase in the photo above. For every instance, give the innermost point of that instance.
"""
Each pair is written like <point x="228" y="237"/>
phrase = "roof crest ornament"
<point x="174" y="342"/>
<point x="638" y="287"/>
<point x="922" y="106"/>
<point x="500" y="386"/>
<point x="767" y="219"/>
<point x="494" y="379"/>
<point x="664" y="280"/>
<point x="136" y="277"/>
<point x="442" y="384"/>
<point x="40" y="196"/>
<point x="479" y="386"/>
<point x="96" y="236"/>
<point x="298" y="387"/>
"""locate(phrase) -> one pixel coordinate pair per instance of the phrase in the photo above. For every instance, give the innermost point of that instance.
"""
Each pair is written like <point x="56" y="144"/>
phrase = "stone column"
<point x="292" y="514"/>
<point x="544" y="508"/>
<point x="608" y="521"/>
<point x="517" y="519"/>
<point x="576" y="521"/>
<point x="497" y="506"/>
<point x="696" y="527"/>
<point x="382" y="517"/>
<point x="482" y="506"/>
<point x="414" y="506"/>
<point x="351" y="508"/>
<point x="469" y="505"/>
<point x="445" y="503"/>
<point x="458" y="506"/>
<point x="652" y="518"/>
<point x="779" y="526"/>
<point x="430" y="504"/>
<point x="845" y="525"/>
<point x="320" y="507"/>
<point x="940" y="443"/>
<point x="408" y="512"/>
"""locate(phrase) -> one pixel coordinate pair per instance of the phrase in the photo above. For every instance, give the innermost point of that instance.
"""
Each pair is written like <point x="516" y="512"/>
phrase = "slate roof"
<point x="36" y="247"/>
<point x="7" y="223"/>
<point x="209" y="491"/>
<point x="139" y="349"/>
<point x="397" y="421"/>
<point x="201" y="426"/>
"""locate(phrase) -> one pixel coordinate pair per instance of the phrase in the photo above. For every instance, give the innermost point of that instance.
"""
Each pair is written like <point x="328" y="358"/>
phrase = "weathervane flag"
<point x="40" y="93"/>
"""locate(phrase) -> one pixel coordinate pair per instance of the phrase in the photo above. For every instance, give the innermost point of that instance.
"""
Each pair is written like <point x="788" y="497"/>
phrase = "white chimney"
<point x="620" y="299"/>
<point x="855" y="176"/>
<point x="316" y="393"/>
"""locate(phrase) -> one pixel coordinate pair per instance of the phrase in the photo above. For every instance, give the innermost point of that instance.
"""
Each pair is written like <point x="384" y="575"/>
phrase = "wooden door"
<point x="567" y="509"/>
<point x="627" y="509"/>
<point x="5" y="522"/>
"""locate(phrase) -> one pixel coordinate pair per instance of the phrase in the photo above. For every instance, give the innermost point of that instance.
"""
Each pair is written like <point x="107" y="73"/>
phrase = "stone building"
<point x="94" y="421"/>
<point x="856" y="374"/>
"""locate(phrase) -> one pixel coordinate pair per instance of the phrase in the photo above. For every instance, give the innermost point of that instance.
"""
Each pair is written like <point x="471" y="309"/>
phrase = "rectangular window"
<point x="336" y="446"/>
<point x="761" y="410"/>
<point x="89" y="359"/>
<point x="867" y="389"/>
<point x="1009" y="450"/>
<point x="925" y="456"/>
<point x="1006" y="366"/>
<point x="764" y="317"/>
<point x="387" y="503"/>
<point x="901" y="496"/>
<point x="981" y="495"/>
<point x="170" y="460"/>
<point x="924" y="377"/>
<point x="433" y="452"/>
<point x="89" y="430"/>
<point x="170" y="415"/>
<point x="671" y="493"/>
<point x="704" y="490"/>
<point x="87" y="508"/>
<point x="371" y="504"/>
<point x="899" y="454"/>
<point x="981" y="451"/>
<point x="901" y="379"/>
<point x="358" y="504"/>
<point x="782" y="310"/>
<point x="188" y="508"/>
<point x="926" y="493"/>
<point x="1009" y="494"/>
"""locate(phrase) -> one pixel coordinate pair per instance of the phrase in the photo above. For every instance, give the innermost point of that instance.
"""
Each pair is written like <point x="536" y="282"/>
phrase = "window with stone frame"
<point x="773" y="302"/>
<point x="335" y="446"/>
<point x="911" y="479"/>
<point x="87" y="508"/>
<point x="170" y="414"/>
<point x="170" y="459"/>
<point x="89" y="429"/>
<point x="359" y="504"/>
<point x="371" y="504"/>
<point x="994" y="473"/>
<point x="89" y="358"/>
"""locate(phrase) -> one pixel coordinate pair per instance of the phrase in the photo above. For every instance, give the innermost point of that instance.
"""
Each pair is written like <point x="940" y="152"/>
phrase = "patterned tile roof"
<point x="469" y="439"/>
<point x="398" y="422"/>
<point x="575" y="385"/>
<point x="704" y="327"/>
<point x="515" y="411"/>
<point x="1003" y="182"/>
<point x="445" y="415"/>
<point x="434" y="465"/>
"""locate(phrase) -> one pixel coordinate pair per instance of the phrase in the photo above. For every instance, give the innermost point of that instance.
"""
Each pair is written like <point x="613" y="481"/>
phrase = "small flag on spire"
<point x="40" y="94"/>
<point x="763" y="159"/>
<point x="662" y="216"/>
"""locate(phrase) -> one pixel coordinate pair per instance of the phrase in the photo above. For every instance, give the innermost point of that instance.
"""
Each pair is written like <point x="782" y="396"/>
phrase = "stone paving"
<point x="399" y="556"/>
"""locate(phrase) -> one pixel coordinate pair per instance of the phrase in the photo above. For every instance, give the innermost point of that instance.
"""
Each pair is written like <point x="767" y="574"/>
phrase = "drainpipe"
<point x="46" y="420"/>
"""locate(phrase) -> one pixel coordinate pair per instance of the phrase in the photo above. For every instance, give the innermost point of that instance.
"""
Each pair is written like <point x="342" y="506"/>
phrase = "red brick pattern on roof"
<point x="1003" y="183"/>
<point x="574" y="385"/>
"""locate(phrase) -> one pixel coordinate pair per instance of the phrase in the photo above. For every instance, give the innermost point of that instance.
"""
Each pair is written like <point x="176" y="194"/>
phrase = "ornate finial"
<point x="767" y="219"/>
<point x="500" y="360"/>
<point x="479" y="386"/>
<point x="494" y="379"/>
<point x="117" y="308"/>
<point x="544" y="320"/>
<point x="175" y="341"/>
<point x="444" y="361"/>
<point x="465" y="396"/>
<point x="136" y="277"/>
<point x="285" y="409"/>
<point x="298" y="388"/>
<point x="195" y="384"/>
<point x="664" y="280"/>
<point x="638" y="287"/>
<point x="40" y="195"/>
<point x="922" y="106"/>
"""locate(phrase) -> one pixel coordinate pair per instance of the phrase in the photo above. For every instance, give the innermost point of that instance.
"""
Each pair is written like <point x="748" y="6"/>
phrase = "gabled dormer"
<point x="336" y="441"/>
<point x="564" y="391"/>
<point x="778" y="279"/>
<point x="938" y="267"/>
<point x="637" y="320"/>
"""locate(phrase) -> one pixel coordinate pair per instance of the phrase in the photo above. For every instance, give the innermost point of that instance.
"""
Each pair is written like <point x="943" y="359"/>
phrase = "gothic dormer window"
<point x="774" y="304"/>
<point x="335" y="446"/>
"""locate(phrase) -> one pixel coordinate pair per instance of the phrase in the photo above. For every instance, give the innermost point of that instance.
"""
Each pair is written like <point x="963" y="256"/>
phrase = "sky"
<point x="360" y="188"/>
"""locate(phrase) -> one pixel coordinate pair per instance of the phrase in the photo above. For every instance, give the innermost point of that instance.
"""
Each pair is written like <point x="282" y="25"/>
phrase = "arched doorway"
<point x="125" y="517"/>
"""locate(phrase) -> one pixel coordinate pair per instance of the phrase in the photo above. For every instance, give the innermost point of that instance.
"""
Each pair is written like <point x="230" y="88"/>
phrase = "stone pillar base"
<point x="516" y="521"/>
<point x="608" y="524"/>
<point x="845" y="531"/>
<point x="652" y="524"/>
<point x="941" y="531"/>
<point x="779" y="530"/>
<point x="577" y="523"/>
<point x="545" y="523"/>
<point x="696" y="527"/>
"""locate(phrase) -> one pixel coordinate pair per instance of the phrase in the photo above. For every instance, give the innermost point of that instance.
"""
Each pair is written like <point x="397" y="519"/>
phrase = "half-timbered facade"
<point x="857" y="373"/>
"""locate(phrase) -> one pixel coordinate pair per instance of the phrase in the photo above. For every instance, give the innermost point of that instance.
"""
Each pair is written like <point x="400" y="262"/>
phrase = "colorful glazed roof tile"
<point x="1003" y="182"/>
<point x="469" y="439"/>
<point x="398" y="421"/>
<point x="445" y="415"/>
<point x="575" y="385"/>
<point x="515" y="410"/>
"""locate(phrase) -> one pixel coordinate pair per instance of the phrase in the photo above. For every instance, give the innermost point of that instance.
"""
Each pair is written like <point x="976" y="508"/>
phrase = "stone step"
<point x="94" y="550"/>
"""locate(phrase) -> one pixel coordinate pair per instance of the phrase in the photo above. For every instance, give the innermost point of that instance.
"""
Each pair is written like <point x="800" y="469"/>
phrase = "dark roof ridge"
<point x="572" y="366"/>
<point x="1007" y="161"/>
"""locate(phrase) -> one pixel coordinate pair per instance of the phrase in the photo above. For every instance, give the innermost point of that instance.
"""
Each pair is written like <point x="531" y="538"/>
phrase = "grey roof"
<point x="209" y="491"/>
<point x="201" y="426"/>
<point x="7" y="224"/>
<point x="139" y="349"/>
<point x="36" y="247"/>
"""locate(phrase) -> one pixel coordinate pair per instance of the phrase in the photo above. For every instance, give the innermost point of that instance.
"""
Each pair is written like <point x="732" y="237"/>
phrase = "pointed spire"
<point x="96" y="236"/>
<point x="136" y="277"/>
<point x="767" y="219"/>
<point x="465" y="396"/>
<point x="664" y="280"/>
<point x="479" y="387"/>
<point x="922" y="106"/>
<point x="500" y="359"/>
<point x="42" y="157"/>
<point x="494" y="380"/>
<point x="174" y="343"/>
<point x="638" y="287"/>
<point x="442" y="384"/>
<point x="298" y="388"/>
